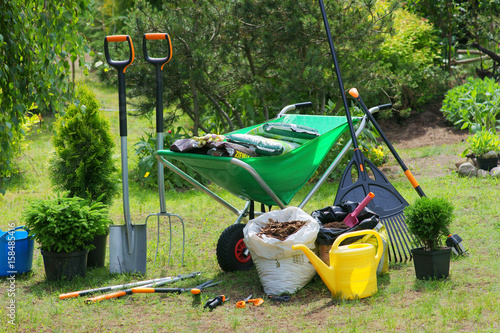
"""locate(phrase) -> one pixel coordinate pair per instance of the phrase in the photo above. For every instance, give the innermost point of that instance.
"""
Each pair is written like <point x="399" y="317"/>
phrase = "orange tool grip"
<point x="256" y="301"/>
<point x="195" y="291"/>
<point x="354" y="92"/>
<point x="143" y="290"/>
<point x="117" y="38"/>
<point x="371" y="195"/>
<point x="69" y="295"/>
<point x="412" y="179"/>
<point x="105" y="297"/>
<point x="240" y="304"/>
<point x="155" y="36"/>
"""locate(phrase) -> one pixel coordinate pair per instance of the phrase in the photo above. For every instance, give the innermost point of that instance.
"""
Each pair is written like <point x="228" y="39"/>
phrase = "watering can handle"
<point x="380" y="247"/>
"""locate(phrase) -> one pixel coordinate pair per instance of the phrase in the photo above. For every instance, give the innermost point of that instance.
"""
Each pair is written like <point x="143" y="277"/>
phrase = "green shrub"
<point x="428" y="219"/>
<point x="64" y="224"/>
<point x="83" y="163"/>
<point x="481" y="143"/>
<point x="410" y="54"/>
<point x="474" y="105"/>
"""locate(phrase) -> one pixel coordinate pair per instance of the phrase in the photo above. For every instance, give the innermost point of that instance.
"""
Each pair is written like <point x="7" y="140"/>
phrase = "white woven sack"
<point x="282" y="269"/>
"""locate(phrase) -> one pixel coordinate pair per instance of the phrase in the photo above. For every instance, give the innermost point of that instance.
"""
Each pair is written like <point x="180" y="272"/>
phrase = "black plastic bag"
<point x="327" y="236"/>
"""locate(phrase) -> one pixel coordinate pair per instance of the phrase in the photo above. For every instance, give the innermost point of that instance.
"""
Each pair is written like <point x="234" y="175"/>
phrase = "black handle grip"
<point x="121" y="65"/>
<point x="158" y="63"/>
<point x="157" y="36"/>
<point x="304" y="105"/>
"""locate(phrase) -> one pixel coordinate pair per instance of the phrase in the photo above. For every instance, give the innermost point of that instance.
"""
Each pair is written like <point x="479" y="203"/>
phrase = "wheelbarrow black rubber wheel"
<point x="232" y="253"/>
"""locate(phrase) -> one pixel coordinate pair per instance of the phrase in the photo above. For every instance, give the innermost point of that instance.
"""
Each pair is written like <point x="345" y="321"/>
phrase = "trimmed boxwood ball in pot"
<point x="428" y="219"/>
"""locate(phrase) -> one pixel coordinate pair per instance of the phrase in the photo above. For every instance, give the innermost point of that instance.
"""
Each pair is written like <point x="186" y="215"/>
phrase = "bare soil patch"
<point x="423" y="129"/>
<point x="427" y="128"/>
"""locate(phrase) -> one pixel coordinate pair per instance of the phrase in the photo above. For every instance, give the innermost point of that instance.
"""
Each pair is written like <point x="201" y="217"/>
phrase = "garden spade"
<point x="127" y="243"/>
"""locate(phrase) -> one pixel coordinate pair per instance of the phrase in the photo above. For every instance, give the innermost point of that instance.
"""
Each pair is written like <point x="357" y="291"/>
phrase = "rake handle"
<point x="341" y="85"/>
<point x="354" y="93"/>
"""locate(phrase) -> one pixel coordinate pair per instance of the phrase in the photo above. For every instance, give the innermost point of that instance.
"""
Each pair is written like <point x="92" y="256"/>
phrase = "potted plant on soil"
<point x="83" y="163"/>
<point x="64" y="228"/>
<point x="484" y="147"/>
<point x="428" y="220"/>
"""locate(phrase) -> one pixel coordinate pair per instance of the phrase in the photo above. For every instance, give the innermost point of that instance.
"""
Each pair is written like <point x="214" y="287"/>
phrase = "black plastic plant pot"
<point x="60" y="265"/>
<point x="431" y="264"/>
<point x="97" y="257"/>
<point x="487" y="163"/>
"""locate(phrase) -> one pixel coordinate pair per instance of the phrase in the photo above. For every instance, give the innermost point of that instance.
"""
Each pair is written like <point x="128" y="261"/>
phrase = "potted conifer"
<point x="428" y="219"/>
<point x="65" y="227"/>
<point x="83" y="164"/>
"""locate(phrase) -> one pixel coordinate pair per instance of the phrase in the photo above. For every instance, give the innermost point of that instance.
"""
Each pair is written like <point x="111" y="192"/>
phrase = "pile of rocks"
<point x="471" y="169"/>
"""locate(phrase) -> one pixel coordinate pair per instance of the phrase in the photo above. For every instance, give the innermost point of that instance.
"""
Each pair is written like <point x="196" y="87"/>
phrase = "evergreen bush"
<point x="428" y="219"/>
<point x="83" y="164"/>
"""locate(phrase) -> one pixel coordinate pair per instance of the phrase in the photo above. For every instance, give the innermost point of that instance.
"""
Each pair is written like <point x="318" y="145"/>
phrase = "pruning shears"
<point x="249" y="299"/>
<point x="195" y="291"/>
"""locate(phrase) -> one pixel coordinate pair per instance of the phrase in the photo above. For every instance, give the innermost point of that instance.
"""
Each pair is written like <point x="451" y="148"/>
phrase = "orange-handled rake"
<point x="388" y="204"/>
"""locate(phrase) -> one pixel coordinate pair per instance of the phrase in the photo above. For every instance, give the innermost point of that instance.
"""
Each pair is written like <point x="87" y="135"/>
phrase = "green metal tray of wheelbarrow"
<point x="285" y="174"/>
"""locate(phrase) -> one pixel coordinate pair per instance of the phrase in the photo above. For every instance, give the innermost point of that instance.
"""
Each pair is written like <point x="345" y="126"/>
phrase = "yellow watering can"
<point x="353" y="268"/>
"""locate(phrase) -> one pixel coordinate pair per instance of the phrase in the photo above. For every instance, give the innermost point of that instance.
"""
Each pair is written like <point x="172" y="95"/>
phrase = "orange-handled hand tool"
<point x="195" y="291"/>
<point x="130" y="290"/>
<point x="249" y="299"/>
<point x="110" y="288"/>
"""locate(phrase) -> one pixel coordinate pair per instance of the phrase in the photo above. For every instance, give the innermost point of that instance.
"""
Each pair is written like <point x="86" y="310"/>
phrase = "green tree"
<point x="83" y="164"/>
<point x="239" y="62"/>
<point x="38" y="39"/>
<point x="462" y="24"/>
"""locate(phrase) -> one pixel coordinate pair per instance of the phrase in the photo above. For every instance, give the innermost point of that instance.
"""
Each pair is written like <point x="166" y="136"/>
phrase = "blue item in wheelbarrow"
<point x="16" y="248"/>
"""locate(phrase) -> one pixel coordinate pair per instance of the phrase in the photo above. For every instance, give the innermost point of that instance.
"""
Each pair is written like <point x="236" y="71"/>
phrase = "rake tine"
<point x="400" y="226"/>
<point x="411" y="239"/>
<point x="392" y="240"/>
<point x="396" y="236"/>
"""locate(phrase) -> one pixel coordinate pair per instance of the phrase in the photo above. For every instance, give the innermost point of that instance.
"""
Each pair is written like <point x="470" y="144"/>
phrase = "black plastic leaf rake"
<point x="387" y="203"/>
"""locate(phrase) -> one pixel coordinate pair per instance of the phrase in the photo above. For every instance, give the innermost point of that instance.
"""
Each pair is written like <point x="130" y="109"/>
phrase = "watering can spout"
<point x="323" y="270"/>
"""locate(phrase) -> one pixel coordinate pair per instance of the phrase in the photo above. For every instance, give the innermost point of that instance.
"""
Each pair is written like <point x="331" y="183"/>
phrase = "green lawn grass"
<point x="467" y="301"/>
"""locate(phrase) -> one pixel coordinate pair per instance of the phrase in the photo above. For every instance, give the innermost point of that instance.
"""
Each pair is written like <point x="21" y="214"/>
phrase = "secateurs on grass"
<point x="215" y="302"/>
<point x="249" y="299"/>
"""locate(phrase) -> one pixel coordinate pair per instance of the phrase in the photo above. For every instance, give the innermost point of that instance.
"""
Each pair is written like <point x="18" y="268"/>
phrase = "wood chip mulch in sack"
<point x="281" y="230"/>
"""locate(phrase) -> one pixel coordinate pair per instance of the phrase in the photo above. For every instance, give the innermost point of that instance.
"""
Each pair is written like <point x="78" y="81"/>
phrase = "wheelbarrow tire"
<point x="232" y="253"/>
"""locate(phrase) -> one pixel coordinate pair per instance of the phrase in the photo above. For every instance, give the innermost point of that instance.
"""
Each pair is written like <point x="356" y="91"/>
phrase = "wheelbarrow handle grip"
<point x="120" y="65"/>
<point x="157" y="36"/>
<point x="304" y="105"/>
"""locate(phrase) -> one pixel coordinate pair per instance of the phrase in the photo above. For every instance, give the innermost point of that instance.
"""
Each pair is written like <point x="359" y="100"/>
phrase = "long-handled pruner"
<point x="249" y="299"/>
<point x="195" y="291"/>
<point x="159" y="63"/>
<point x="130" y="291"/>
